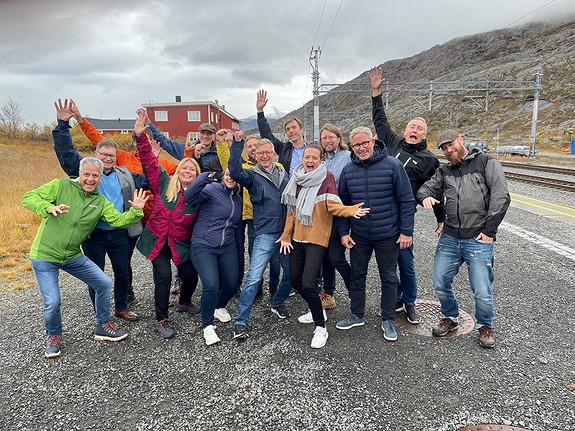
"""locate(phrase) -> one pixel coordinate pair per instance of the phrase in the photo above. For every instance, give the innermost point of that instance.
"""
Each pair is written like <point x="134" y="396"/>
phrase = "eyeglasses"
<point x="264" y="153"/>
<point x="107" y="156"/>
<point x="363" y="144"/>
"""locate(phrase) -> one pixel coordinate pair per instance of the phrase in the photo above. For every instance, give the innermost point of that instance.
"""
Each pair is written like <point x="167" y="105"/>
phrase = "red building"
<point x="181" y="119"/>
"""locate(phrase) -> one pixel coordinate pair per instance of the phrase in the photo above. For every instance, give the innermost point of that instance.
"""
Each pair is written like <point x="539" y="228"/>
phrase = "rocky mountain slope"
<point x="500" y="55"/>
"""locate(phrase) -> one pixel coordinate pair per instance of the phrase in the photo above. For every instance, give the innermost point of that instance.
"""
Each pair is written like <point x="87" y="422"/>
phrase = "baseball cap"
<point x="447" y="137"/>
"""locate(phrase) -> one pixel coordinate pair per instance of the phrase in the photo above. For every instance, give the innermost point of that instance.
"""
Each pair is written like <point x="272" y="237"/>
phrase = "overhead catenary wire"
<point x="530" y="13"/>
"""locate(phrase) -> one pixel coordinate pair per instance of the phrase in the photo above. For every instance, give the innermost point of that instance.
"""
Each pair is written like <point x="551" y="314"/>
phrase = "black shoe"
<point x="281" y="311"/>
<point x="399" y="306"/>
<point x="413" y="316"/>
<point x="240" y="332"/>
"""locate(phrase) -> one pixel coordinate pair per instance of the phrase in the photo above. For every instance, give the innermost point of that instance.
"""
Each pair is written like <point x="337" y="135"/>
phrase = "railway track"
<point x="539" y="168"/>
<point x="541" y="181"/>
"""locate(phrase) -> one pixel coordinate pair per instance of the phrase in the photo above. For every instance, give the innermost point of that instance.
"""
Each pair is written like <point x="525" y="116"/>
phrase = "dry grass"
<point x="25" y="166"/>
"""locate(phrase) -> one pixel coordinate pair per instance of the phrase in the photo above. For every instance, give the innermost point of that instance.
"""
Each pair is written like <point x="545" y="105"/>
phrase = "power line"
<point x="532" y="12"/>
<point x="333" y="22"/>
<point x="319" y="23"/>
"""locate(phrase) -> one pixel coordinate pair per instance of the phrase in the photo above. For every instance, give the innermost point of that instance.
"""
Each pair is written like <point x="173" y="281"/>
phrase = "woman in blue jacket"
<point x="217" y="246"/>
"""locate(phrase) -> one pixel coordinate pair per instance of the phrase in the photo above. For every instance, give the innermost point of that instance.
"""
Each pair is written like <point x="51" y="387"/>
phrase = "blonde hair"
<point x="175" y="185"/>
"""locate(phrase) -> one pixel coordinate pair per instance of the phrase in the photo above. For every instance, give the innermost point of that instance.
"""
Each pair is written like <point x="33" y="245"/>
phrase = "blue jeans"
<point x="274" y="262"/>
<point x="450" y="253"/>
<point x="82" y="268"/>
<point x="264" y="248"/>
<point x="116" y="244"/>
<point x="407" y="281"/>
<point x="217" y="266"/>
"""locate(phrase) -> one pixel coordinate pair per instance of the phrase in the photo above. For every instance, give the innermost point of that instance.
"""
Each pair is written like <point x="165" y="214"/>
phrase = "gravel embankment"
<point x="276" y="381"/>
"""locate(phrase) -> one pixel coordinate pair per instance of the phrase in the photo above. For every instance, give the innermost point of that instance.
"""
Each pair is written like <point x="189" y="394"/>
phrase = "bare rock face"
<point x="502" y="55"/>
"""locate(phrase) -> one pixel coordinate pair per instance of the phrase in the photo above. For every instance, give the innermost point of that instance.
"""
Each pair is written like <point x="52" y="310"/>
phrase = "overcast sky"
<point x="112" y="56"/>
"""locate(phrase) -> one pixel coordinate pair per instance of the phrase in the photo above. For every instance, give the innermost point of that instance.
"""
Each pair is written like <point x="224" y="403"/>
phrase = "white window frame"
<point x="125" y="132"/>
<point x="193" y="136"/>
<point x="235" y="125"/>
<point x="161" y="116"/>
<point x="194" y="116"/>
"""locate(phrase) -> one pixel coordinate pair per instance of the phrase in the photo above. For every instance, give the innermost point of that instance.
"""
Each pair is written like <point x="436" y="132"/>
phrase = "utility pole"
<point x="314" y="62"/>
<point x="538" y="74"/>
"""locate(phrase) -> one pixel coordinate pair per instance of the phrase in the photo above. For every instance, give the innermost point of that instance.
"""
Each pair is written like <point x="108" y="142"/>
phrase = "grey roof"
<point x="112" y="124"/>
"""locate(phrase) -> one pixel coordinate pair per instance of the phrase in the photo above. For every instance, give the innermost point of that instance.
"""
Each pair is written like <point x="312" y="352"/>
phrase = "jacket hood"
<point x="379" y="152"/>
<point x="413" y="148"/>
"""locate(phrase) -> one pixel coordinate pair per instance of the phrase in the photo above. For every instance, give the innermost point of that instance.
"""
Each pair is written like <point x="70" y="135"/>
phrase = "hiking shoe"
<point x="190" y="308"/>
<point x="210" y="335"/>
<point x="486" y="337"/>
<point x="292" y="293"/>
<point x="319" y="337"/>
<point x="281" y="311"/>
<point x="327" y="301"/>
<point x="53" y="347"/>
<point x="399" y="306"/>
<point x="164" y="329"/>
<point x="308" y="318"/>
<point x="222" y="315"/>
<point x="350" y="321"/>
<point x="108" y="332"/>
<point x="177" y="286"/>
<point x="413" y="316"/>
<point x="240" y="332"/>
<point x="444" y="327"/>
<point x="389" y="331"/>
<point x="130" y="298"/>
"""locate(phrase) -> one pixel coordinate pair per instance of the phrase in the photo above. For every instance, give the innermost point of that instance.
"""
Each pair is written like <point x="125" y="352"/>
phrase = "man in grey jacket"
<point x="476" y="198"/>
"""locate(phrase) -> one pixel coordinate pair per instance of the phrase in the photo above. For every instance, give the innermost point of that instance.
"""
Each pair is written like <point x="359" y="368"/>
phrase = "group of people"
<point x="300" y="205"/>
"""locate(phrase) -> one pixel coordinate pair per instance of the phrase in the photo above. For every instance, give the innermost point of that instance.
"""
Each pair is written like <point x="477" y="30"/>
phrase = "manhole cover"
<point x="430" y="312"/>
<point x="491" y="427"/>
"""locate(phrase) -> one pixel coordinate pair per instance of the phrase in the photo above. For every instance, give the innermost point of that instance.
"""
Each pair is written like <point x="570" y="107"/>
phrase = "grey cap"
<point x="447" y="137"/>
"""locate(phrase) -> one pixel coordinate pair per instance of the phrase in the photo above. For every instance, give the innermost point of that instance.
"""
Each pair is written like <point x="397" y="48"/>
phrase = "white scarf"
<point x="310" y="183"/>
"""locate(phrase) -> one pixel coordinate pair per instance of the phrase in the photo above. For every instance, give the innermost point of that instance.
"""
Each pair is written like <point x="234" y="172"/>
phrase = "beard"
<point x="458" y="156"/>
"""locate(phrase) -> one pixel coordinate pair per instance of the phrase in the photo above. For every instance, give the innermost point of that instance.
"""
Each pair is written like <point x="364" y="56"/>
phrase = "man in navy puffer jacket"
<point x="382" y="184"/>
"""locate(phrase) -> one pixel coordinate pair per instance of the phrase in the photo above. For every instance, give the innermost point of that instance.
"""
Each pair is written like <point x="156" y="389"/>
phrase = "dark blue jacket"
<point x="382" y="184"/>
<point x="219" y="221"/>
<point x="269" y="212"/>
<point x="176" y="149"/>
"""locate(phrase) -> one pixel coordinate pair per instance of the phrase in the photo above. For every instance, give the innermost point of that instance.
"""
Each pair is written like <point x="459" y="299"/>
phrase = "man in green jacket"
<point x="70" y="209"/>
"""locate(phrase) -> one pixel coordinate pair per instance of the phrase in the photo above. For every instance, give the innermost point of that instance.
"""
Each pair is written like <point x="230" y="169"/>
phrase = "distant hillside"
<point x="509" y="54"/>
<point x="272" y="114"/>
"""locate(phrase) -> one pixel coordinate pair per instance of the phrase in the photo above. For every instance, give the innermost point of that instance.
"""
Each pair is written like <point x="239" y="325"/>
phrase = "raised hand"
<point x="142" y="111"/>
<point x="59" y="209"/>
<point x="376" y="79"/>
<point x="140" y="199"/>
<point x="221" y="135"/>
<point x="74" y="108"/>
<point x="140" y="125"/>
<point x="238" y="135"/>
<point x="360" y="212"/>
<point x="63" y="111"/>
<point x="262" y="100"/>
<point x="156" y="149"/>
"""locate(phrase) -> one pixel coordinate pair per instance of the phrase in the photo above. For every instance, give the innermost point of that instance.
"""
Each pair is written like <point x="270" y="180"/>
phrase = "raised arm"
<point x="237" y="172"/>
<point x="68" y="156"/>
<point x="195" y="193"/>
<point x="173" y="148"/>
<point x="382" y="126"/>
<point x="263" y="125"/>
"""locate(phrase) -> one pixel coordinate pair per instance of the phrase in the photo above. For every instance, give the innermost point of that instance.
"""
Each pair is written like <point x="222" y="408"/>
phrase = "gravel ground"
<point x="274" y="380"/>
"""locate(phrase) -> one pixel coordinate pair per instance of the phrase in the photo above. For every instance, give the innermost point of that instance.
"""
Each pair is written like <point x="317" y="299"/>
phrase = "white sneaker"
<point x="308" y="318"/>
<point x="210" y="335"/>
<point x="319" y="337"/>
<point x="222" y="315"/>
